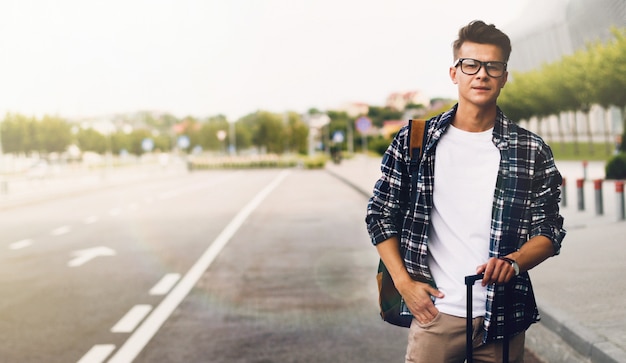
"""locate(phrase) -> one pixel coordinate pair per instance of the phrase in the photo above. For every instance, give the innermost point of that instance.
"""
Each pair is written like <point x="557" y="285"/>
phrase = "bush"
<point x="616" y="167"/>
<point x="378" y="145"/>
<point x="315" y="162"/>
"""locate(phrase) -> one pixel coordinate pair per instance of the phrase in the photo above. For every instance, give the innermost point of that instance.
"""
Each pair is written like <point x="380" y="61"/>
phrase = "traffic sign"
<point x="147" y="144"/>
<point x="183" y="142"/>
<point x="338" y="137"/>
<point x="363" y="124"/>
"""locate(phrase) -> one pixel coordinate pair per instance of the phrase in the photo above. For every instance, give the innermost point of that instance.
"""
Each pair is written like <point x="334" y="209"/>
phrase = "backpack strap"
<point x="417" y="135"/>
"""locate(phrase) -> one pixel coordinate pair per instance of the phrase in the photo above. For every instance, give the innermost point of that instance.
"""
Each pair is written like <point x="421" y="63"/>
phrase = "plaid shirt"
<point x="526" y="204"/>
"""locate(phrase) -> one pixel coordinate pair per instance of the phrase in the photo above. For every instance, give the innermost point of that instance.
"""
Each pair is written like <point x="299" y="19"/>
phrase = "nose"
<point x="482" y="73"/>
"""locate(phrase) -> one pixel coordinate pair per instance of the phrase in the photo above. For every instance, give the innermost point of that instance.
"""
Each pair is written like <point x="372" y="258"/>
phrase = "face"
<point x="480" y="89"/>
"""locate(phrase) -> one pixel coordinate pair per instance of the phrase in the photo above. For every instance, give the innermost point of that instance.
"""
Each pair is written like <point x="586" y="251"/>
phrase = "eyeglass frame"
<point x="459" y="62"/>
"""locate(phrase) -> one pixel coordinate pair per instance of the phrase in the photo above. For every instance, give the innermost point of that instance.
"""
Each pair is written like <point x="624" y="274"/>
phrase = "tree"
<point x="91" y="140"/>
<point x="610" y="67"/>
<point x="269" y="132"/>
<point x="296" y="134"/>
<point x="208" y="133"/>
<point x="53" y="135"/>
<point x="135" y="140"/>
<point x="266" y="129"/>
<point x="18" y="133"/>
<point x="380" y="114"/>
<point x="341" y="122"/>
<point x="119" y="141"/>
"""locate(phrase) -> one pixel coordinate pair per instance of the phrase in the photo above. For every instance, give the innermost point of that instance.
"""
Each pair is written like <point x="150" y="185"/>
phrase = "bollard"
<point x="585" y="164"/>
<point x="580" y="183"/>
<point x="619" y="192"/>
<point x="4" y="187"/>
<point x="563" y="194"/>
<point x="597" y="187"/>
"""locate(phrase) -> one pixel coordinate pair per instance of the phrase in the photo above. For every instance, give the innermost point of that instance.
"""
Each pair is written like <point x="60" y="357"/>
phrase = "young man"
<point x="487" y="202"/>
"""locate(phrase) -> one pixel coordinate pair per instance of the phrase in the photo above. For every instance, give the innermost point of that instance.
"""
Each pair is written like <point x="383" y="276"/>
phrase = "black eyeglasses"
<point x="471" y="66"/>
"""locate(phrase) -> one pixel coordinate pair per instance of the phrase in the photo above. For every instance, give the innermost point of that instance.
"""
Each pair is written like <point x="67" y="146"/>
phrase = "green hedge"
<point x="616" y="167"/>
<point x="315" y="162"/>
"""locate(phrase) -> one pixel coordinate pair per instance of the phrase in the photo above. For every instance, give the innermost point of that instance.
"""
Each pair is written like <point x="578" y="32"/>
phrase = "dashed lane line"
<point x="90" y="220"/>
<point x="138" y="340"/>
<point x="132" y="318"/>
<point x="165" y="284"/>
<point x="60" y="231"/>
<point x="97" y="353"/>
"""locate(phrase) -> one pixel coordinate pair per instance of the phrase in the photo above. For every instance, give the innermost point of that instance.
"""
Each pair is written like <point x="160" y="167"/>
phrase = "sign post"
<point x="363" y="125"/>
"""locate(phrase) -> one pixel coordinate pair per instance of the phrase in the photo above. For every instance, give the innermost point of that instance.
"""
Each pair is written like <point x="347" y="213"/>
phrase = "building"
<point x="355" y="109"/>
<point x="399" y="100"/>
<point x="548" y="30"/>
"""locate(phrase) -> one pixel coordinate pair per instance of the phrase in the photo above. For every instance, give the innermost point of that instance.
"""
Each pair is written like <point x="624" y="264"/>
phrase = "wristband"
<point x="513" y="264"/>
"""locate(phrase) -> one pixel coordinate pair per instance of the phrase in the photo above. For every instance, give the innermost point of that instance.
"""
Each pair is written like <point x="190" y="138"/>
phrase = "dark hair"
<point x="479" y="32"/>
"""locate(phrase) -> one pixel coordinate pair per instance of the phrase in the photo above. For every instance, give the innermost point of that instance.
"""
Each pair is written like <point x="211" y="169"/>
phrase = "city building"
<point x="400" y="100"/>
<point x="548" y="30"/>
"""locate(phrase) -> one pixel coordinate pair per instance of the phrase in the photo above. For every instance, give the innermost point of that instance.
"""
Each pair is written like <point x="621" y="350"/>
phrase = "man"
<point x="487" y="202"/>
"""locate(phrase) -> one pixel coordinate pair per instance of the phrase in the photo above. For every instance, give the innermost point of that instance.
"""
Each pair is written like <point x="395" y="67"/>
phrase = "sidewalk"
<point x="581" y="292"/>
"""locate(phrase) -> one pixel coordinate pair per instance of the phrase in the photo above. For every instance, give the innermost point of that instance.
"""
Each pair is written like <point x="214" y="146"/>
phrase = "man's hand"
<point x="533" y="252"/>
<point x="496" y="271"/>
<point x="417" y="296"/>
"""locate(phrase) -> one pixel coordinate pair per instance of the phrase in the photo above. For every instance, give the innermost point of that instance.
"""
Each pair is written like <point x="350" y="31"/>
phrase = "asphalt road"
<point x="220" y="266"/>
<point x="292" y="282"/>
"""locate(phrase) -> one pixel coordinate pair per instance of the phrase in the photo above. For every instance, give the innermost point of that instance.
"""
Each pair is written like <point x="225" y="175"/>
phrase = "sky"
<point x="89" y="58"/>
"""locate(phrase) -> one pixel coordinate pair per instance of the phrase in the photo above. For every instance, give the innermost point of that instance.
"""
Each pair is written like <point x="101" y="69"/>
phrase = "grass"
<point x="582" y="151"/>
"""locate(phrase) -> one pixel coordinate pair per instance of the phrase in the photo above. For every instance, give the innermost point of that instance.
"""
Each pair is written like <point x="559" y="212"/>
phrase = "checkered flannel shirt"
<point x="526" y="204"/>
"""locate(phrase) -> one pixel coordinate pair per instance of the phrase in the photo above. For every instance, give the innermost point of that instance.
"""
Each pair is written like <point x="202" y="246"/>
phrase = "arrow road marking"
<point x="83" y="256"/>
<point x="21" y="244"/>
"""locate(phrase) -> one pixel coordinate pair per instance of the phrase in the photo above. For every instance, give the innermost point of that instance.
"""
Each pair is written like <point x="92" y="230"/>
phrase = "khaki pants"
<point x="443" y="341"/>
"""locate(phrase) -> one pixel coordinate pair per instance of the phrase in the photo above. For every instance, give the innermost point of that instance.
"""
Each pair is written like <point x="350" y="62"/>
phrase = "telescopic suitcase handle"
<point x="469" y="348"/>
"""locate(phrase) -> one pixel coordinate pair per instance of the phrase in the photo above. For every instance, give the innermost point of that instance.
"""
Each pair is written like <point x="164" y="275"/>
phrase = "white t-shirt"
<point x="466" y="169"/>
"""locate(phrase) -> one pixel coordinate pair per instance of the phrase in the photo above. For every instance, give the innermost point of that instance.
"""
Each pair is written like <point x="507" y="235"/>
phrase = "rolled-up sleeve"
<point x="546" y="218"/>
<point x="385" y="206"/>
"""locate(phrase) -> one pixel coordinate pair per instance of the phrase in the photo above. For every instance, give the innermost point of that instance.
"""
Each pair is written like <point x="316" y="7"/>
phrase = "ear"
<point x="453" y="75"/>
<point x="505" y="78"/>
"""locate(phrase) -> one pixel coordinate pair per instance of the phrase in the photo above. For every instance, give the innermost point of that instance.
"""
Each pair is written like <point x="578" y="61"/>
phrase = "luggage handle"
<point x="469" y="348"/>
<point x="469" y="283"/>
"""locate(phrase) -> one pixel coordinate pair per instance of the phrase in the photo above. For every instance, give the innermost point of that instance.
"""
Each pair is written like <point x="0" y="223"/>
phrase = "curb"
<point x="582" y="340"/>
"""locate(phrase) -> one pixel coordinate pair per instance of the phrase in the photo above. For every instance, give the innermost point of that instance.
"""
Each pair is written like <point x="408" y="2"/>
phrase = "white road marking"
<point x="138" y="340"/>
<point x="90" y="220"/>
<point x="98" y="353"/>
<point x="21" y="244"/>
<point x="60" y="231"/>
<point x="83" y="256"/>
<point x="165" y="284"/>
<point x="132" y="318"/>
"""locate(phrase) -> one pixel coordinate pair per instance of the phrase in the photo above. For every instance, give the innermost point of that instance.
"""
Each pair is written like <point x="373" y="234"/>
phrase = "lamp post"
<point x="221" y="135"/>
<point x="232" y="150"/>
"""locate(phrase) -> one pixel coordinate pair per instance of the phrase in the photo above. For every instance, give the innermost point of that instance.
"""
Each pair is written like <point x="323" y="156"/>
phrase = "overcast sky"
<point x="76" y="58"/>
